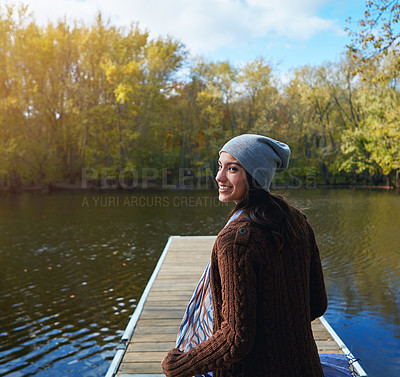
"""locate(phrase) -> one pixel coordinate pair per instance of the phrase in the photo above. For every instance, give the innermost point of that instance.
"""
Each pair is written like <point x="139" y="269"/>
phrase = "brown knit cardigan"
<point x="264" y="301"/>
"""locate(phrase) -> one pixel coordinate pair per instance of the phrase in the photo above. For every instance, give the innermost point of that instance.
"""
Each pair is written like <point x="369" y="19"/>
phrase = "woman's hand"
<point x="169" y="362"/>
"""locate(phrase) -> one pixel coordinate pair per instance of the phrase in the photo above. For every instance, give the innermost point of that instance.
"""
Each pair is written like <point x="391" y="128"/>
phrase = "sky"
<point x="287" y="33"/>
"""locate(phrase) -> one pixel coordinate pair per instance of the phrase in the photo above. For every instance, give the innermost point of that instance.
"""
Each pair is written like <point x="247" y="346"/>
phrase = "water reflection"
<point x="359" y="241"/>
<point x="73" y="266"/>
<point x="358" y="233"/>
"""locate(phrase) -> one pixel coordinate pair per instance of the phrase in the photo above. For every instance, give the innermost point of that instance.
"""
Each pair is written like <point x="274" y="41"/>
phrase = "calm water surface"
<point x="73" y="266"/>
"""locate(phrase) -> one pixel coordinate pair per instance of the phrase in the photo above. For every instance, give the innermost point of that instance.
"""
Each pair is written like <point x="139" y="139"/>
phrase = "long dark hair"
<point x="272" y="212"/>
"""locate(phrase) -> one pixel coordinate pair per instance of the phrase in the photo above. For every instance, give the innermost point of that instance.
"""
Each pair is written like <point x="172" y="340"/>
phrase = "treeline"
<point x="75" y="97"/>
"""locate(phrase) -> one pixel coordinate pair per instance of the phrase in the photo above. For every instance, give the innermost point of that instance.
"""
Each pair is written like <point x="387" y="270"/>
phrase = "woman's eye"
<point x="219" y="166"/>
<point x="232" y="168"/>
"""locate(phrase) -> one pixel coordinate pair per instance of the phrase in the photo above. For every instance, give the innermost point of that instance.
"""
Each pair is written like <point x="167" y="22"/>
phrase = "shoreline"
<point x="147" y="187"/>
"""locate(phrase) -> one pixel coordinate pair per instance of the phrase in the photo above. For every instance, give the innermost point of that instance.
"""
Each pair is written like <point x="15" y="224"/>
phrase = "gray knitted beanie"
<point x="260" y="156"/>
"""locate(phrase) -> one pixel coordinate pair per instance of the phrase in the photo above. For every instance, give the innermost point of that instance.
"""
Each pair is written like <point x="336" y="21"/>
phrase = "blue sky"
<point x="287" y="33"/>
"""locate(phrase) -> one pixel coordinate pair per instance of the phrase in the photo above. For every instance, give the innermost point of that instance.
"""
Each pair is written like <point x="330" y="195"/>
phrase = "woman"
<point x="265" y="281"/>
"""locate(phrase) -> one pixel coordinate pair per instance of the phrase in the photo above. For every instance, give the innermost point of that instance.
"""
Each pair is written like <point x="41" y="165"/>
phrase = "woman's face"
<point x="231" y="178"/>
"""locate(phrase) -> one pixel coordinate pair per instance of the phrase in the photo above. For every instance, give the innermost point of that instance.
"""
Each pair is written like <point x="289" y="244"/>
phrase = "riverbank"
<point x="149" y="186"/>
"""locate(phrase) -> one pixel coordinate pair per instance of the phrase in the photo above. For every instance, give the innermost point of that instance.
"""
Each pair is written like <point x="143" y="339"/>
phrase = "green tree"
<point x="372" y="148"/>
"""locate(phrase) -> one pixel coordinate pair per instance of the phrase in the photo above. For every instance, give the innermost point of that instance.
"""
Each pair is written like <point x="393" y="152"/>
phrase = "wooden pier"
<point x="157" y="318"/>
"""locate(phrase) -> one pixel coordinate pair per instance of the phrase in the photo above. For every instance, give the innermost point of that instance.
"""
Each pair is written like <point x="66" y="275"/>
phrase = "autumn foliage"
<point x="76" y="96"/>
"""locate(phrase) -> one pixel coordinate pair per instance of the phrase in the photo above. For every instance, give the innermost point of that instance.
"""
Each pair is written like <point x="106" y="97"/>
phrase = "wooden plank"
<point x="150" y="347"/>
<point x="144" y="357"/>
<point x="162" y="313"/>
<point x="137" y="368"/>
<point x="154" y="337"/>
<point x="326" y="344"/>
<point x="166" y="304"/>
<point x="160" y="330"/>
<point x="162" y="297"/>
<point x="158" y="323"/>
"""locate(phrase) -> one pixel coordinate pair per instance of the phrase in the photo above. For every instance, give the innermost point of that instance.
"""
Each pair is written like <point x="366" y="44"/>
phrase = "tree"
<point x="75" y="96"/>
<point x="258" y="96"/>
<point x="373" y="147"/>
<point x="377" y="34"/>
<point x="314" y="94"/>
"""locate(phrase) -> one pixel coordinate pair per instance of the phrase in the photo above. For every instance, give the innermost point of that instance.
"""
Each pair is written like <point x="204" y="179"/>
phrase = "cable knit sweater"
<point x="264" y="301"/>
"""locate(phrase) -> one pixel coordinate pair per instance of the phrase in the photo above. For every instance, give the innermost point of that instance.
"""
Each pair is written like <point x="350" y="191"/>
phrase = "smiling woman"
<point x="263" y="285"/>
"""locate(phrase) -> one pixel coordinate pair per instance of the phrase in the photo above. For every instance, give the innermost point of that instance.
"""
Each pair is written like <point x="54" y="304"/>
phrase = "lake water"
<point x="73" y="266"/>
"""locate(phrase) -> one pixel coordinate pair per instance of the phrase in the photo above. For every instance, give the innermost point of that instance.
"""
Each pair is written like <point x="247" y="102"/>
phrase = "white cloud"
<point x="203" y="25"/>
